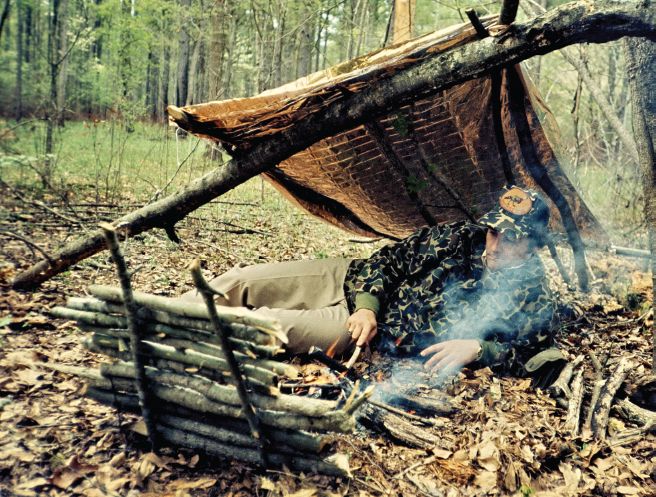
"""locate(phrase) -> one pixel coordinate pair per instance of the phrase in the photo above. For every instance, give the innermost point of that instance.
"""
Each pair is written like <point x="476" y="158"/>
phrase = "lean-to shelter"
<point x="440" y="159"/>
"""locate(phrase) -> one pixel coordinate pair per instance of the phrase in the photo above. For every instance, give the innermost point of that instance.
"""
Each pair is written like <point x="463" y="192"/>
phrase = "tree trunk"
<point x="52" y="104"/>
<point x="641" y="67"/>
<point x="601" y="22"/>
<point x="19" y="62"/>
<point x="303" y="67"/>
<point x="5" y="16"/>
<point x="362" y="30"/>
<point x="62" y="58"/>
<point x="163" y="83"/>
<point x="192" y="94"/>
<point x="218" y="45"/>
<point x="278" y="34"/>
<point x="404" y="16"/>
<point x="183" y="56"/>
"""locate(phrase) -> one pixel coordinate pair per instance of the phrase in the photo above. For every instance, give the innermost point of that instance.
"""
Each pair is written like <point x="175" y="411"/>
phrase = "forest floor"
<point x="505" y="437"/>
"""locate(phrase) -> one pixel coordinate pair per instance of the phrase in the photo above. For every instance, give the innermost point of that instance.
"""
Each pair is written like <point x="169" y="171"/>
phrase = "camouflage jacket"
<point x="434" y="286"/>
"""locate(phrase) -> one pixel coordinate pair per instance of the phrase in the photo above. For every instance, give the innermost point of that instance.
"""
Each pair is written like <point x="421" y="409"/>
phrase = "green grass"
<point x="106" y="157"/>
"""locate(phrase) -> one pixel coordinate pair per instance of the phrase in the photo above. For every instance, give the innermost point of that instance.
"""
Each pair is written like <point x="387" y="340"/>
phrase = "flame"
<point x="331" y="351"/>
<point x="311" y="390"/>
<point x="380" y="377"/>
<point x="341" y="375"/>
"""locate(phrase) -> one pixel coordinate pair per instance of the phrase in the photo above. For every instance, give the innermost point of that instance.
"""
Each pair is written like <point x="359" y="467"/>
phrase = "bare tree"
<point x="183" y="56"/>
<point x="641" y="67"/>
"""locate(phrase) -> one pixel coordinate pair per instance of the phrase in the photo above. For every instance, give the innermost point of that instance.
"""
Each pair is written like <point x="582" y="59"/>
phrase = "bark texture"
<point x="641" y="66"/>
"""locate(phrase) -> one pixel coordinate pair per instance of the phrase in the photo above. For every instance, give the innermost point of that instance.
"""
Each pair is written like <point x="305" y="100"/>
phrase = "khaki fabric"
<point x="307" y="297"/>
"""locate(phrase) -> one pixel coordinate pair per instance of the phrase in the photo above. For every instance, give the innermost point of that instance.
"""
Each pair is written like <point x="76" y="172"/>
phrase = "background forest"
<point x="84" y="86"/>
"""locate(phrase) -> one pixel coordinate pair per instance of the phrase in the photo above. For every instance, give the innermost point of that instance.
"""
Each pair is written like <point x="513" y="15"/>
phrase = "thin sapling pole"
<point x="133" y="327"/>
<point x="222" y="333"/>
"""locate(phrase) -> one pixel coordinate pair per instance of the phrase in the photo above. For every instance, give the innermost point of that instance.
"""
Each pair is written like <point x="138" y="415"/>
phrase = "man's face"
<point x="504" y="253"/>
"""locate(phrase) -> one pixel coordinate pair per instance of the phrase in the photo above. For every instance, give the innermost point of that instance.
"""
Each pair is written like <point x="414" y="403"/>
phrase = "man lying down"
<point x="459" y="294"/>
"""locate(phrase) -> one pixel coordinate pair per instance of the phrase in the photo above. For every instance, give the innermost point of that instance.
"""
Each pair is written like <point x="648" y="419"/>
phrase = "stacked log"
<point x="191" y="386"/>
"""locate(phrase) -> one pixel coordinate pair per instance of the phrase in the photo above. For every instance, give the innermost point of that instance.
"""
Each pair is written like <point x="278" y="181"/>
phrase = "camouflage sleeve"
<point x="536" y="319"/>
<point x="512" y="324"/>
<point x="384" y="271"/>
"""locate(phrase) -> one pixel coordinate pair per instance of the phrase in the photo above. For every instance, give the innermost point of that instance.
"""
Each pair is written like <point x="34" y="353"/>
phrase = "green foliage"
<point x="526" y="491"/>
<point x="414" y="184"/>
<point x="400" y="124"/>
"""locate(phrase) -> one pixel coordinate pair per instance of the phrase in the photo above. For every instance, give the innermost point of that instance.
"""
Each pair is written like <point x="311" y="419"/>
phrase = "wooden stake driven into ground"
<point x="222" y="332"/>
<point x="135" y="331"/>
<point x="584" y="21"/>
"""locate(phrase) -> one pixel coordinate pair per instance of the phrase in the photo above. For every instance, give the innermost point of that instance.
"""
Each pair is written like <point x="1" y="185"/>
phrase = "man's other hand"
<point x="451" y="355"/>
<point x="362" y="326"/>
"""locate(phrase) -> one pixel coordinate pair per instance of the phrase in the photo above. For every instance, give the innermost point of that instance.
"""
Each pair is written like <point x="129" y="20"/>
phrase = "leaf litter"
<point x="504" y="439"/>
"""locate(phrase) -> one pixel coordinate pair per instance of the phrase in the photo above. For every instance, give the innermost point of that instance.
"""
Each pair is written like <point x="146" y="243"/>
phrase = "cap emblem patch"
<point x="516" y="202"/>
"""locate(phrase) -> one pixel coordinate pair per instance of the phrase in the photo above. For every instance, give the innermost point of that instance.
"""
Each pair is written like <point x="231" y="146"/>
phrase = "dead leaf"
<point x="266" y="484"/>
<point x="30" y="376"/>
<point x="140" y="428"/>
<point x="510" y="480"/>
<point x="308" y="492"/>
<point x="629" y="490"/>
<point x="442" y="454"/>
<point x="187" y="484"/>
<point x="148" y="464"/>
<point x="488" y="456"/>
<point x="65" y="478"/>
<point x="117" y="460"/>
<point x="486" y="480"/>
<point x="572" y="476"/>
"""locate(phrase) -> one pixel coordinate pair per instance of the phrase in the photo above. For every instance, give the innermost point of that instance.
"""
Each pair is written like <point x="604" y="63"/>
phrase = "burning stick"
<point x="356" y="354"/>
<point x="321" y="356"/>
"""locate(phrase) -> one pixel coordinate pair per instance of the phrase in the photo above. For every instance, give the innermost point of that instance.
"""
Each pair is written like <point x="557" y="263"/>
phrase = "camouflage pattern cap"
<point x="518" y="213"/>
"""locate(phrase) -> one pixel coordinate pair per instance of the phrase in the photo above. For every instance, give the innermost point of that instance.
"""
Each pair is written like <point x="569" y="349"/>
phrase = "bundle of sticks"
<point x="569" y="391"/>
<point x="192" y="388"/>
<point x="204" y="377"/>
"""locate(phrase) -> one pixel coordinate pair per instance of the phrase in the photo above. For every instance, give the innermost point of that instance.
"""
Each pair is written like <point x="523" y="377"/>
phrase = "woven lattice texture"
<point x="384" y="178"/>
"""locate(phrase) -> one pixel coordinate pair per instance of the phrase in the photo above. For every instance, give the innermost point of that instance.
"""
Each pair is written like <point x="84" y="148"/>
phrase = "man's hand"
<point x="362" y="326"/>
<point x="451" y="355"/>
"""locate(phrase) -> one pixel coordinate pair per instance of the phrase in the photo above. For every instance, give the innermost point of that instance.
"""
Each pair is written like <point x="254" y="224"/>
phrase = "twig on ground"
<point x="561" y="385"/>
<point x="571" y="424"/>
<point x="28" y="242"/>
<point x="416" y="465"/>
<point x="41" y="205"/>
<point x="602" y="409"/>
